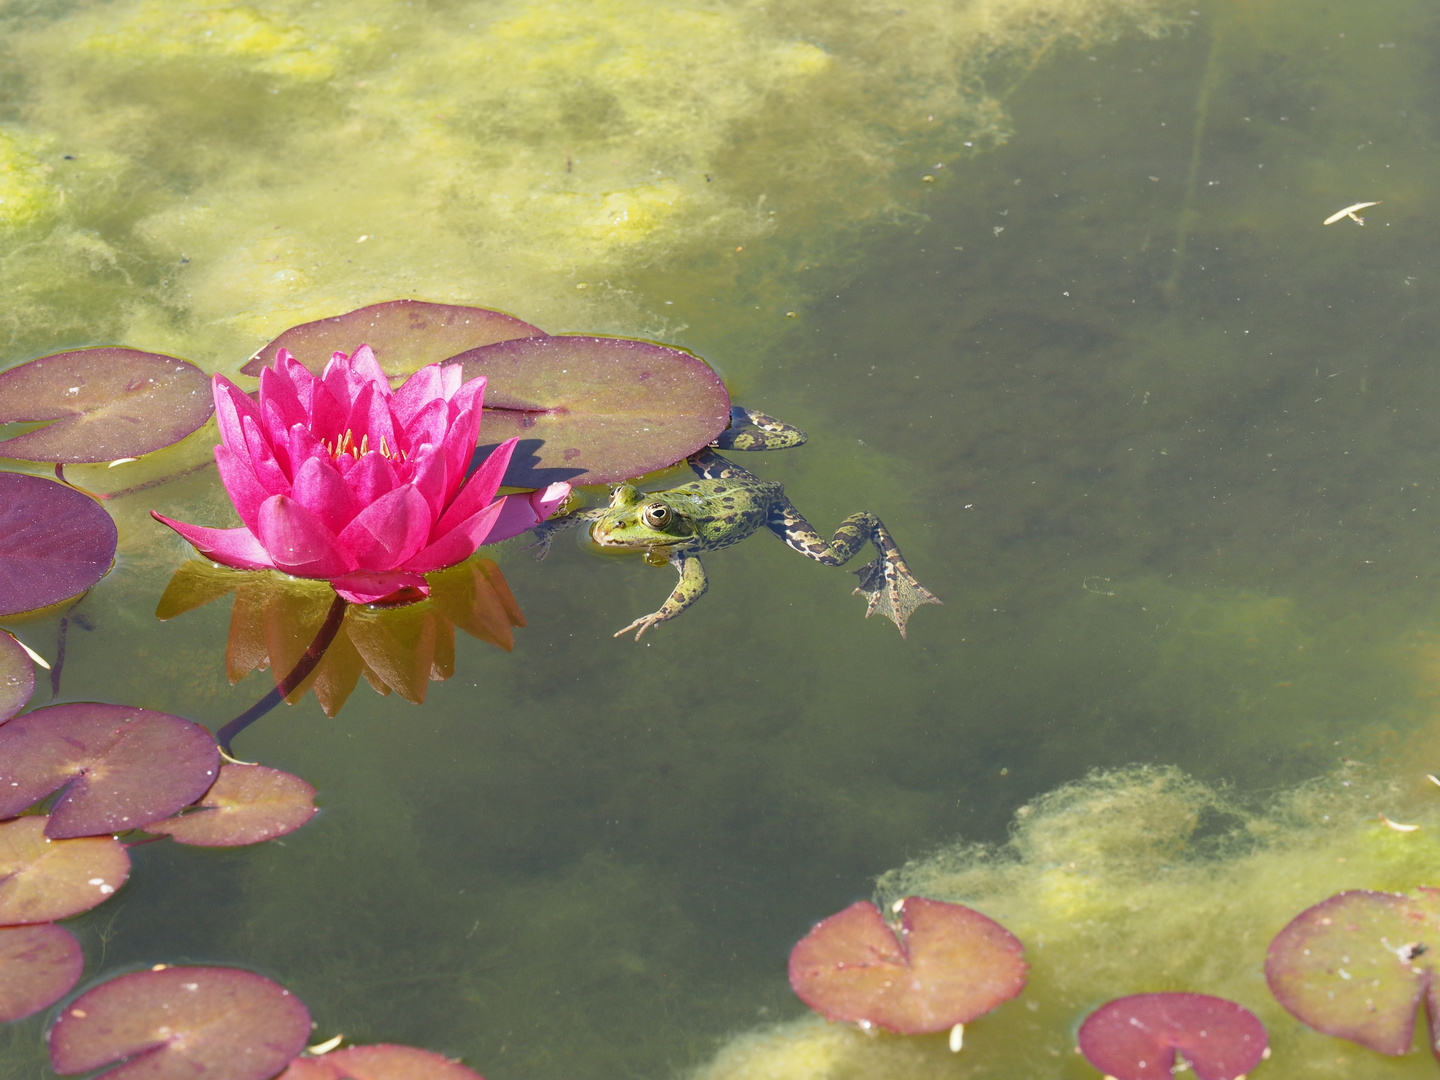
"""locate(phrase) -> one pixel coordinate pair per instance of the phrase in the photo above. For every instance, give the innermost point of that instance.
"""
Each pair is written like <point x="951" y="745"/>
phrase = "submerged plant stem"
<point x="333" y="618"/>
<point x="1208" y="80"/>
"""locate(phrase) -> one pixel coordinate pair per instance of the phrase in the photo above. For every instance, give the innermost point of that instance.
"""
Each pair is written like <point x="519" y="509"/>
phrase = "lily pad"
<point x="106" y="404"/>
<point x="125" y="767"/>
<point x="17" y="677"/>
<point x="941" y="965"/>
<point x="593" y="410"/>
<point x="1136" y="1038"/>
<point x="38" y="966"/>
<point x="54" y="542"/>
<point x="43" y="880"/>
<point x="405" y="334"/>
<point x="384" y="1062"/>
<point x="219" y="1023"/>
<point x="247" y="804"/>
<point x="1357" y="965"/>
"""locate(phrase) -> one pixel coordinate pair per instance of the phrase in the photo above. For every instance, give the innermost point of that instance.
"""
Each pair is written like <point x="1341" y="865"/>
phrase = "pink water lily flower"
<point x="340" y="478"/>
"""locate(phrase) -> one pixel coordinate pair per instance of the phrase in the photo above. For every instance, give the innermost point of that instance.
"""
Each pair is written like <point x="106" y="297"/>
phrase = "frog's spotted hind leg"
<point x="688" y="589"/>
<point x="750" y="430"/>
<point x="886" y="582"/>
<point x="709" y="465"/>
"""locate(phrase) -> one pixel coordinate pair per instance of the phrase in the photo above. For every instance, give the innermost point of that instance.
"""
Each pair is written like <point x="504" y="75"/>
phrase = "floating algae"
<point x="1134" y="880"/>
<point x="277" y="163"/>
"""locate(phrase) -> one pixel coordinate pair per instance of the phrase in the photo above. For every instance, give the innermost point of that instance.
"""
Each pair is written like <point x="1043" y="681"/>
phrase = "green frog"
<point x="724" y="506"/>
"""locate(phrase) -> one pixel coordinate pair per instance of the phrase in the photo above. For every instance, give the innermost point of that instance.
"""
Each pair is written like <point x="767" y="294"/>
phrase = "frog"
<point x="728" y="504"/>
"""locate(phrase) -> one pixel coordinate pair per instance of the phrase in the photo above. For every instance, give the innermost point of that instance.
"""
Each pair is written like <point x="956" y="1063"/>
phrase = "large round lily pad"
<point x="383" y="1062"/>
<point x="54" y="542"/>
<point x="247" y="804"/>
<point x="42" y="880"/>
<point x="405" y="334"/>
<point x="941" y="965"/>
<point x="1136" y="1037"/>
<point x="592" y="410"/>
<point x="106" y="403"/>
<point x="1357" y="965"/>
<point x="38" y="966"/>
<point x="181" y="1022"/>
<point x="126" y="767"/>
<point x="17" y="677"/>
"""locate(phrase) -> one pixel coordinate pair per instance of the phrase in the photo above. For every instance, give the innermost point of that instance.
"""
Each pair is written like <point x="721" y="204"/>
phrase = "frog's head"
<point x="643" y="521"/>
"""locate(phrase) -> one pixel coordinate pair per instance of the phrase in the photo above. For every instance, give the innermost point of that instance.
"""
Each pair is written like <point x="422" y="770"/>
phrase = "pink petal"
<point x="376" y="421"/>
<point x="469" y="396"/>
<point x="428" y="474"/>
<point x="425" y="386"/>
<point x="369" y="586"/>
<point x="364" y="364"/>
<point x="262" y="459"/>
<point x="320" y="488"/>
<point x="459" y="543"/>
<point x="347" y="376"/>
<point x="460" y="446"/>
<point x="301" y="445"/>
<point x="230" y="547"/>
<point x="428" y="425"/>
<point x="369" y="478"/>
<point x="300" y="378"/>
<point x="232" y="403"/>
<point x="479" y="490"/>
<point x="388" y="532"/>
<point x="450" y="375"/>
<point x="327" y="415"/>
<point x="278" y="392"/>
<point x="523" y="512"/>
<point x="241" y="484"/>
<point x="275" y="433"/>
<point x="299" y="543"/>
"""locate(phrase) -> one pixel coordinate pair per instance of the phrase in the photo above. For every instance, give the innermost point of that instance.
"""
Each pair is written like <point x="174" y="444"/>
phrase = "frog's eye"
<point x="656" y="515"/>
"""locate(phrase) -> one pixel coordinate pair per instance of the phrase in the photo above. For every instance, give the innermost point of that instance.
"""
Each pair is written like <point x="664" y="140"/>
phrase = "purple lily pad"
<point x="942" y="965"/>
<point x="219" y="1023"/>
<point x="383" y="1062"/>
<point x="1358" y="964"/>
<point x="106" y="403"/>
<point x="126" y="767"/>
<point x="592" y="410"/>
<point x="54" y="542"/>
<point x="247" y="804"/>
<point x="405" y="334"/>
<point x="43" y="880"/>
<point x="17" y="677"/>
<point x="1137" y="1037"/>
<point x="38" y="966"/>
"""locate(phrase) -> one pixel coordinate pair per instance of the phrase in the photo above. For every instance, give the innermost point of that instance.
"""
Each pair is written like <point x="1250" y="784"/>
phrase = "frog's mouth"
<point x="606" y="539"/>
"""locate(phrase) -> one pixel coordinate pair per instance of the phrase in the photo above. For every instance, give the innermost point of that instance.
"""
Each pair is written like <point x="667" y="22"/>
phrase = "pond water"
<point x="1047" y="286"/>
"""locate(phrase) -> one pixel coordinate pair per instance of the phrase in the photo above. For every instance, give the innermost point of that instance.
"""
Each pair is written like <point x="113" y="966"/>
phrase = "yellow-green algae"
<point x="1133" y="880"/>
<point x="290" y="160"/>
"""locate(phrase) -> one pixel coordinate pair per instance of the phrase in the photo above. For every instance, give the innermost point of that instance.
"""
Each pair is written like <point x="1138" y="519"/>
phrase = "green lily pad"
<point x="593" y="410"/>
<point x="124" y="767"/>
<point x="1358" y="964"/>
<point x="406" y="335"/>
<point x="17" y="677"/>
<point x="55" y="542"/>
<point x="42" y="880"/>
<point x="383" y="1062"/>
<point x="178" y="1022"/>
<point x="106" y="403"/>
<point x="38" y="966"/>
<point x="247" y="804"/>
<point x="939" y="965"/>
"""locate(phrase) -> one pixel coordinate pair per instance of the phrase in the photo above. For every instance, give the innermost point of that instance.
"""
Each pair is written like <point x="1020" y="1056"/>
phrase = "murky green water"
<point x="1164" y="444"/>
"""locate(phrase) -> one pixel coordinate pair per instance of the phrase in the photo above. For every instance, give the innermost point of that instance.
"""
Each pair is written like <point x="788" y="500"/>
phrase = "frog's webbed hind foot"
<point x="891" y="589"/>
<point x="751" y="430"/>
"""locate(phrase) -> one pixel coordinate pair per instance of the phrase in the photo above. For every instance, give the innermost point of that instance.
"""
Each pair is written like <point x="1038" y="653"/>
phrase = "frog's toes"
<point x="540" y="545"/>
<point x="644" y="623"/>
<point x="890" y="588"/>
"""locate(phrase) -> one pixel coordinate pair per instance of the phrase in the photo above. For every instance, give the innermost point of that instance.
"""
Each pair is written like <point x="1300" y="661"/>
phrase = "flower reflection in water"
<point x="276" y="620"/>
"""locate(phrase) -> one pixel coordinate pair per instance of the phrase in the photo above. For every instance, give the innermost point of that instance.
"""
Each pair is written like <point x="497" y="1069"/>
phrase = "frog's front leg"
<point x="886" y="581"/>
<point x="688" y="589"/>
<point x="546" y="530"/>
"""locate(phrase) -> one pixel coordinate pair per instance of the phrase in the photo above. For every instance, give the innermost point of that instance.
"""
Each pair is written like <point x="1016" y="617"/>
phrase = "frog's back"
<point x="726" y="511"/>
